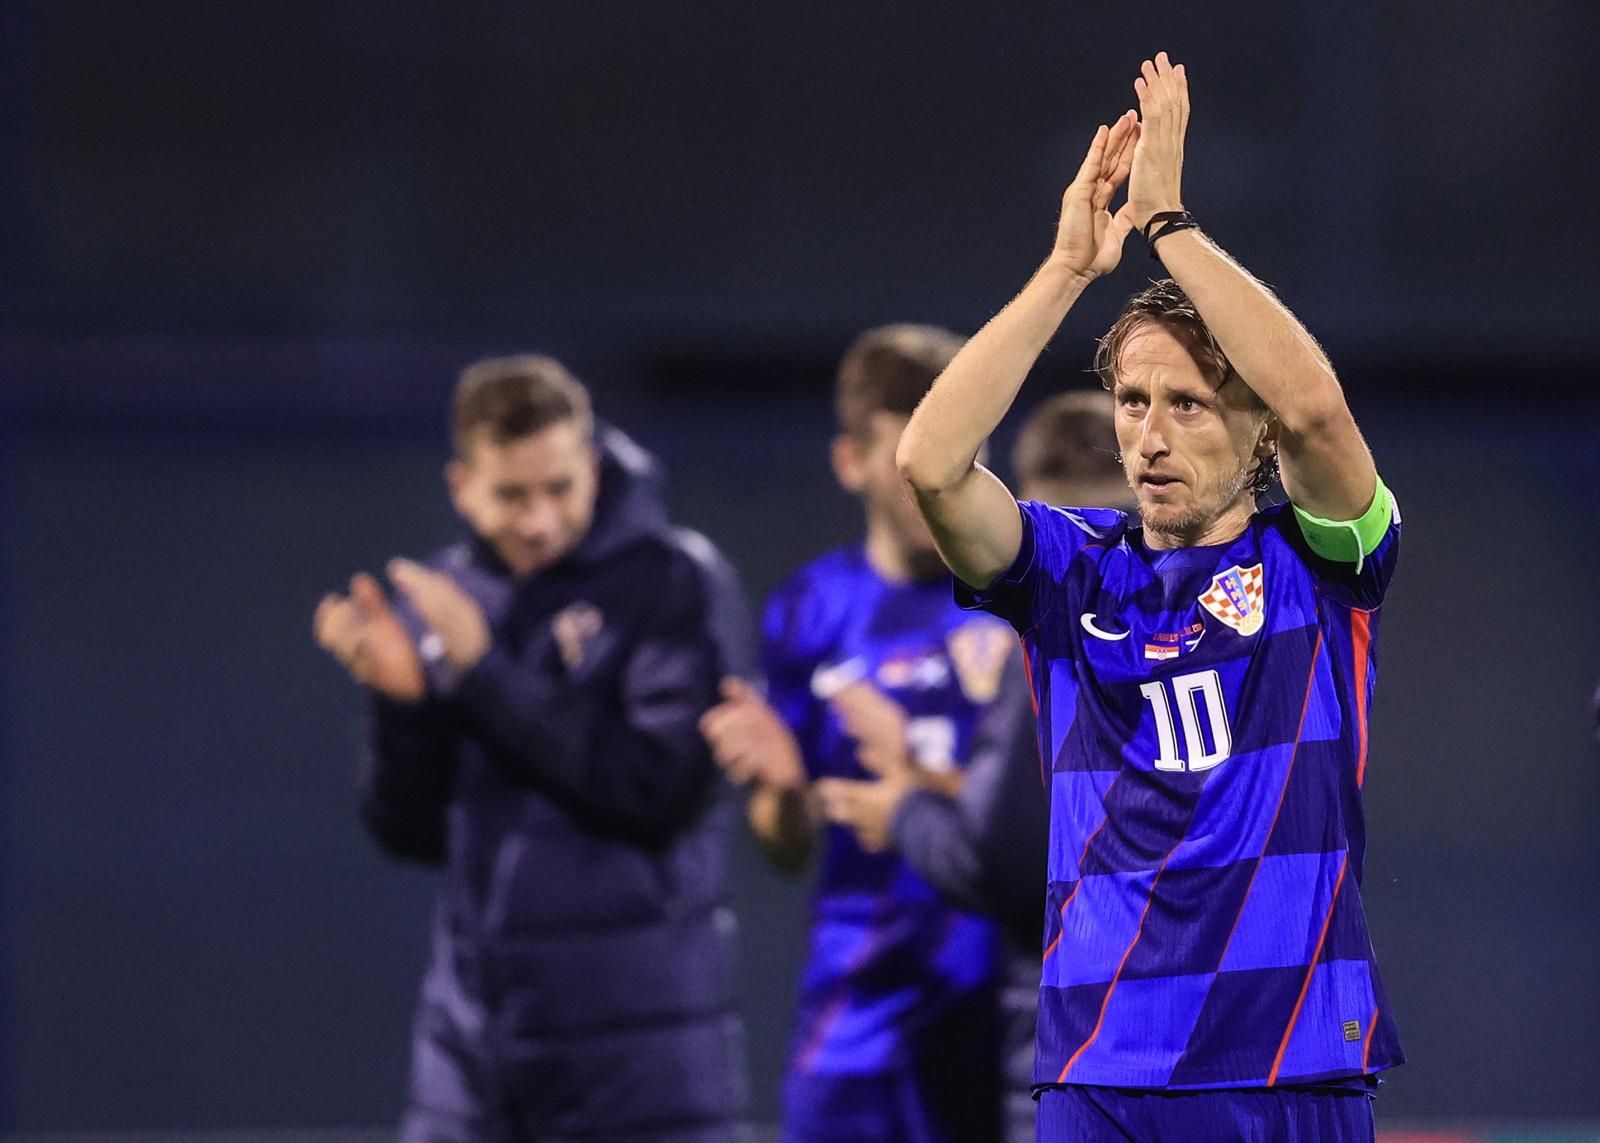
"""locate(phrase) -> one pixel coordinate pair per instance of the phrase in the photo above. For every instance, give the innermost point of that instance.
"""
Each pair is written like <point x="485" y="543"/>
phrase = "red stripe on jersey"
<point x="1366" y="1047"/>
<point x="1283" y="795"/>
<point x="1360" y="647"/>
<point x="1112" y="987"/>
<point x="1033" y="698"/>
<point x="806" y="1057"/>
<point x="1305" y="986"/>
<point x="1027" y="669"/>
<point x="1081" y="856"/>
<point x="1305" y="705"/>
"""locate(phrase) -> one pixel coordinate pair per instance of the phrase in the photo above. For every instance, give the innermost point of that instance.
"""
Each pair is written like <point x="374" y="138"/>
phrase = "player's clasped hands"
<point x="1143" y="150"/>
<point x="877" y="724"/>
<point x="1155" y="180"/>
<point x="754" y="747"/>
<point x="750" y="741"/>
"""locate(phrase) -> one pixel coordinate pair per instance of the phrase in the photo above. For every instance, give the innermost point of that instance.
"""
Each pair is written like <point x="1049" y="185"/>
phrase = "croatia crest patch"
<point x="1237" y="597"/>
<point x="979" y="650"/>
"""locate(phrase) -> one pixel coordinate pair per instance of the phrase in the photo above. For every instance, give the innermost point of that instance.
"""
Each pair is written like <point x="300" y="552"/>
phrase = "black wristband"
<point x="1170" y="222"/>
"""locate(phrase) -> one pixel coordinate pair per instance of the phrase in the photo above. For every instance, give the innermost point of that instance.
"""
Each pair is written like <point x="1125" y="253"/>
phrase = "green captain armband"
<point x="1349" y="541"/>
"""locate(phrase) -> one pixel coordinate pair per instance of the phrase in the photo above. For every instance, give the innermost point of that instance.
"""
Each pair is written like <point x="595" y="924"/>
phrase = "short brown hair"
<point x="1070" y="437"/>
<point x="1165" y="304"/>
<point x="515" y="397"/>
<point x="890" y="369"/>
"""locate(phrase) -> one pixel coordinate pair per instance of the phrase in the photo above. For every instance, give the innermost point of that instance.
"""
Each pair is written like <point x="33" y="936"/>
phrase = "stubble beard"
<point x="1186" y="528"/>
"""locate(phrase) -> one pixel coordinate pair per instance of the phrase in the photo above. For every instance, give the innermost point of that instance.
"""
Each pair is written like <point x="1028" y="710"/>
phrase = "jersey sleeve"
<point x="1353" y="560"/>
<point x="787" y="661"/>
<point x="1036" y="580"/>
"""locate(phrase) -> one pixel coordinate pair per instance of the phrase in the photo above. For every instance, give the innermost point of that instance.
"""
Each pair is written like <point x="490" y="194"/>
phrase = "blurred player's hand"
<point x="866" y="808"/>
<point x="449" y="612"/>
<point x="1089" y="238"/>
<point x="878" y="725"/>
<point x="361" y="631"/>
<point x="1156" y="181"/>
<point x="750" y="741"/>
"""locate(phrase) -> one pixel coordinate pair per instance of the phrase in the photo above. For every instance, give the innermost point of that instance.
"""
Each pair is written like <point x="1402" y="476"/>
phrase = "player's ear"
<point x="455" y="479"/>
<point x="849" y="466"/>
<point x="1267" y="441"/>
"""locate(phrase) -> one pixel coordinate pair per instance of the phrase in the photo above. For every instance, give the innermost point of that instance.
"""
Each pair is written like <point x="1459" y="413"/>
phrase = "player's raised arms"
<point x="971" y="513"/>
<point x="1326" y="468"/>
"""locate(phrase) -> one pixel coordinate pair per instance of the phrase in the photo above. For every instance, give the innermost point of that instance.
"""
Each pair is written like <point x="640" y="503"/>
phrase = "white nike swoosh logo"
<point x="1087" y="619"/>
<point x="831" y="678"/>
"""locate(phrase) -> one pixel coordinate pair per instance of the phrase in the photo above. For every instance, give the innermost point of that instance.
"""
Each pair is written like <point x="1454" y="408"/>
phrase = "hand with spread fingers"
<point x="1155" y="183"/>
<point x="1089" y="237"/>
<point x="362" y="632"/>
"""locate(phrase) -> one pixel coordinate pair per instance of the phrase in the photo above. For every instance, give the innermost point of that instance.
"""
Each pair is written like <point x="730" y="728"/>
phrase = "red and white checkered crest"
<point x="1238" y="598"/>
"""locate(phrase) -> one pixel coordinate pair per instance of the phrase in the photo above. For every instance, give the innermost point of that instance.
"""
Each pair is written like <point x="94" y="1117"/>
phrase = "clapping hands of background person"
<point x="750" y="741"/>
<point x="362" y="631"/>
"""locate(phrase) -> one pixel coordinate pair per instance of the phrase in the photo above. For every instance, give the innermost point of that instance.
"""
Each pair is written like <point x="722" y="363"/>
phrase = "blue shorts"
<point x="948" y="1090"/>
<point x="1080" y="1114"/>
<point x="891" y="1108"/>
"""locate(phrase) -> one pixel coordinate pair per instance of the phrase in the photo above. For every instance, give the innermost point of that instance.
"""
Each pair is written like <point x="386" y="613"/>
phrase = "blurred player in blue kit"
<point x="1203" y="675"/>
<point x="986" y="846"/>
<point x="867" y="656"/>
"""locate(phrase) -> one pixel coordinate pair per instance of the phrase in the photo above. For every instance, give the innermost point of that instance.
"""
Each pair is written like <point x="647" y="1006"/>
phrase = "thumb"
<point x="410" y="577"/>
<point x="735" y="689"/>
<point x="1122" y="221"/>
<point x="368" y="596"/>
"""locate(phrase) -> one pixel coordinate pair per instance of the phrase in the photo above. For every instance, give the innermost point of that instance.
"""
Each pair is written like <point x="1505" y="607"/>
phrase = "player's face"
<point x="1188" y="447"/>
<point x="531" y="499"/>
<point x="866" y="466"/>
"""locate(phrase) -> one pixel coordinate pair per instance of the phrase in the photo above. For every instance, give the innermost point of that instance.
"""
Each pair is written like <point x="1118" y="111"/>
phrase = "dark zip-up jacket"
<point x="583" y="949"/>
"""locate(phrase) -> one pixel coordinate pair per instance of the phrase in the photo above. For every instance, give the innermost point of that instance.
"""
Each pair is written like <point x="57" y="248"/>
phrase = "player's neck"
<point x="892" y="563"/>
<point x="1227" y="527"/>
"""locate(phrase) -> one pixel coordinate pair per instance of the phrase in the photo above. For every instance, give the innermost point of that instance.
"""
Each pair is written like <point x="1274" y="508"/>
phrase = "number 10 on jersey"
<point x="1189" y="693"/>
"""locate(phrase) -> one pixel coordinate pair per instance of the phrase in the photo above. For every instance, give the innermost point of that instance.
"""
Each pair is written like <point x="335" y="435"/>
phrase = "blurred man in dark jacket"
<point x="534" y="697"/>
<point x="985" y="845"/>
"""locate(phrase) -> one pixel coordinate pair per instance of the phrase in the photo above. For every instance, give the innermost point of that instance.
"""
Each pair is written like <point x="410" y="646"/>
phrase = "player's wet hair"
<point x="890" y="369"/>
<point x="515" y="397"/>
<point x="1072" y="437"/>
<point x="1165" y="303"/>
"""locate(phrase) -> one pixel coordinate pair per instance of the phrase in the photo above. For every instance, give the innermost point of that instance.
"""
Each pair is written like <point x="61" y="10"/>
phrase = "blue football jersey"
<point x="1204" y="711"/>
<point x="887" y="954"/>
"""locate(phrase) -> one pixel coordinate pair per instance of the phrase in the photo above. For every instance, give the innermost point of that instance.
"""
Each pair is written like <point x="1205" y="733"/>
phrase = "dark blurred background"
<point x="244" y="248"/>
